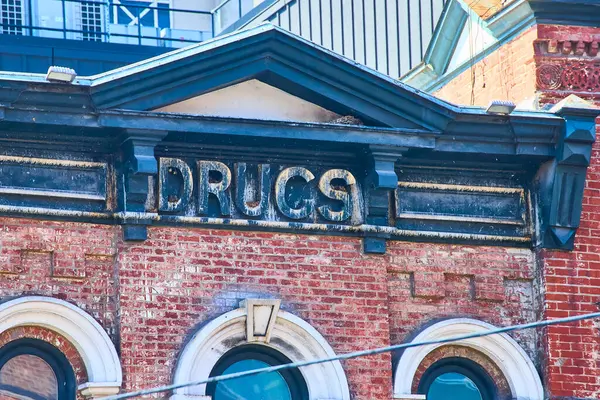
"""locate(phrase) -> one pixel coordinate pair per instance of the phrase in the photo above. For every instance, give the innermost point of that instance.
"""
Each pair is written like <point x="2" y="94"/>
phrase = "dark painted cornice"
<point x="567" y="12"/>
<point x="109" y="117"/>
<point x="533" y="134"/>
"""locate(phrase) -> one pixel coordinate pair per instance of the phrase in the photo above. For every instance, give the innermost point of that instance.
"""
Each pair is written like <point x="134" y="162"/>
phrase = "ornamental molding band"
<point x="290" y="335"/>
<point x="511" y="359"/>
<point x="568" y="47"/>
<point x="568" y="64"/>
<point x="85" y="334"/>
<point x="416" y="168"/>
<point x="572" y="76"/>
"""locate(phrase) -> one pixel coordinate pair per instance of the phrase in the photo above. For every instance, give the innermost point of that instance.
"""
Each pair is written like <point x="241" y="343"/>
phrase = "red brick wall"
<point x="429" y="282"/>
<point x="567" y="58"/>
<point x="506" y="74"/>
<point x="70" y="261"/>
<point x="572" y="287"/>
<point x="180" y="278"/>
<point x="566" y="62"/>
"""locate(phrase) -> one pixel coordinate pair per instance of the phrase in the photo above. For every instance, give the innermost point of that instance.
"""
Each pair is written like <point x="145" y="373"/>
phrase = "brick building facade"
<point x="542" y="65"/>
<point x="145" y="242"/>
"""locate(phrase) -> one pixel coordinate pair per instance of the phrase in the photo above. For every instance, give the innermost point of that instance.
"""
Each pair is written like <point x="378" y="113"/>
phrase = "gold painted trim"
<point x="460" y="188"/>
<point x="39" y="211"/>
<point x="482" y="220"/>
<point x="51" y="162"/>
<point x="49" y="193"/>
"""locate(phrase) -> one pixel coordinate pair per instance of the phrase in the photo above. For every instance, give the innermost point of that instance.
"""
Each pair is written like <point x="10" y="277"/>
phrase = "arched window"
<point x="457" y="378"/>
<point x="515" y="371"/>
<point x="238" y="341"/>
<point x="34" y="369"/>
<point x="98" y="354"/>
<point x="280" y="385"/>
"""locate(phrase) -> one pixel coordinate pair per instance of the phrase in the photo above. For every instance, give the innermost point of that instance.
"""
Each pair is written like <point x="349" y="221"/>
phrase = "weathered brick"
<point x="549" y="62"/>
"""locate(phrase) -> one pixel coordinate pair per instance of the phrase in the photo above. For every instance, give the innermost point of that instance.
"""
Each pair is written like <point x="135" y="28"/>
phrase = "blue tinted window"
<point x="269" y="386"/>
<point x="453" y="386"/>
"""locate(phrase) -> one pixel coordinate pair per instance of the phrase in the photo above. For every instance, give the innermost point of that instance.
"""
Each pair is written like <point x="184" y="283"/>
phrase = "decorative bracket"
<point x="141" y="165"/>
<point x="563" y="180"/>
<point x="381" y="182"/>
<point x="261" y="315"/>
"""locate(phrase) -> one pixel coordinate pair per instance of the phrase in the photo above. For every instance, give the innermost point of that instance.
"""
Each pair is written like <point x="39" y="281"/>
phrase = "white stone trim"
<point x="504" y="351"/>
<point x="79" y="328"/>
<point x="255" y="319"/>
<point x="290" y="335"/>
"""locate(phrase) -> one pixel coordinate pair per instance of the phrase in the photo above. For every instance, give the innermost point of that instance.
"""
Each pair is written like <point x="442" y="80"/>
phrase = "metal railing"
<point x="228" y="12"/>
<point x="114" y="21"/>
<point x="390" y="36"/>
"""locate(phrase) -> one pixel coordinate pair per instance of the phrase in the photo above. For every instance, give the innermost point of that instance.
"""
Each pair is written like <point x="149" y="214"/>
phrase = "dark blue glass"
<point x="269" y="386"/>
<point x="453" y="386"/>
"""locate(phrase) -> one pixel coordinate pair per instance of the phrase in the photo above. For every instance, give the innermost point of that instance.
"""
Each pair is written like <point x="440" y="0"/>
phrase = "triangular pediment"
<point x="253" y="99"/>
<point x="267" y="61"/>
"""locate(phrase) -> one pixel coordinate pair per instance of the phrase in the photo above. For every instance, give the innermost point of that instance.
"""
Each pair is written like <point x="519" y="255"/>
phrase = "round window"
<point x="457" y="379"/>
<point x="279" y="385"/>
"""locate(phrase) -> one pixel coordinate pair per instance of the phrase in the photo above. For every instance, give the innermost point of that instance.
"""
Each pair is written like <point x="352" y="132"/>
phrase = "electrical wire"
<point x="362" y="353"/>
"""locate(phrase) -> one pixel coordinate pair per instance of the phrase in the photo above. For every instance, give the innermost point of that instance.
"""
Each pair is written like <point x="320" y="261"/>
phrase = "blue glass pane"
<point x="270" y="386"/>
<point x="453" y="386"/>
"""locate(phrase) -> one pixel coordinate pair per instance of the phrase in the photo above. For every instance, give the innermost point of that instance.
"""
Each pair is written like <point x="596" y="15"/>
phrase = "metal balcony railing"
<point x="119" y="21"/>
<point x="390" y="36"/>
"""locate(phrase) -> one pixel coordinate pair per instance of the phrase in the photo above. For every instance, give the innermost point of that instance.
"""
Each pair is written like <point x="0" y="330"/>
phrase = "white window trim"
<point x="504" y="351"/>
<point x="79" y="328"/>
<point x="290" y="335"/>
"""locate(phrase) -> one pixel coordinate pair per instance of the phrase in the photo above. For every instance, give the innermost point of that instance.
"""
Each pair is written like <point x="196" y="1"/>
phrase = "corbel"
<point x="140" y="166"/>
<point x="563" y="179"/>
<point x="381" y="181"/>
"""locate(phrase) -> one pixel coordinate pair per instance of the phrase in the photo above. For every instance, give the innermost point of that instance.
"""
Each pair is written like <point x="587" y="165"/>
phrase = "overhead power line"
<point x="356" y="354"/>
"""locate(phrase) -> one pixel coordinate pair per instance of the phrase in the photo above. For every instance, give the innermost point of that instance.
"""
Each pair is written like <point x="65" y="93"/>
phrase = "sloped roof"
<point x="500" y="20"/>
<point x="458" y="22"/>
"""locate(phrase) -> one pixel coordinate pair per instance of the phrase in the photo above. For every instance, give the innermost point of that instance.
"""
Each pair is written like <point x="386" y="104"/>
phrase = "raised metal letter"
<point x="247" y="195"/>
<point x="174" y="166"/>
<point x="306" y="207"/>
<point x="219" y="189"/>
<point x="329" y="191"/>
